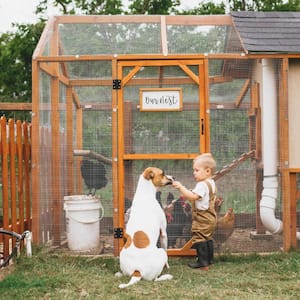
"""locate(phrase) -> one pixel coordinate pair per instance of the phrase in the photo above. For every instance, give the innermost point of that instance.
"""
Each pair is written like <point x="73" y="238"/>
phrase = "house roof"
<point x="268" y="31"/>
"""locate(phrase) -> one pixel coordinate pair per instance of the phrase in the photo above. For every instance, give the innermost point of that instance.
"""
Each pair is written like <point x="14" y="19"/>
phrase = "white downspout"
<point x="269" y="149"/>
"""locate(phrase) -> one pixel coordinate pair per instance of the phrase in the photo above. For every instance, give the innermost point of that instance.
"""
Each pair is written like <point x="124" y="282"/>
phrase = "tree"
<point x="264" y="5"/>
<point x="87" y="7"/>
<point x="153" y="7"/>
<point x="15" y="65"/>
<point x="206" y="8"/>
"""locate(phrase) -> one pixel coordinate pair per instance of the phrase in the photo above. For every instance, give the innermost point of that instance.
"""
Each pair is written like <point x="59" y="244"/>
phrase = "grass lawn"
<point x="54" y="275"/>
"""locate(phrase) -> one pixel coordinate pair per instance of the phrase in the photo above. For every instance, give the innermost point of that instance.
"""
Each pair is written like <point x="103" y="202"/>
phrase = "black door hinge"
<point x="118" y="233"/>
<point x="116" y="84"/>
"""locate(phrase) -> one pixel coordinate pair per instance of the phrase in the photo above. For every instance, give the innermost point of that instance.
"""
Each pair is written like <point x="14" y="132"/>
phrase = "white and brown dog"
<point x="140" y="257"/>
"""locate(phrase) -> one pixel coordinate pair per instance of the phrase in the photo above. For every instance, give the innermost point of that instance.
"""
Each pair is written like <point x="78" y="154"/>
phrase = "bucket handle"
<point x="90" y="222"/>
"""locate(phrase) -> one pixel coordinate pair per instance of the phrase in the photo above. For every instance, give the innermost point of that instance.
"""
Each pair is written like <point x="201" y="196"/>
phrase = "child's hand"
<point x="176" y="184"/>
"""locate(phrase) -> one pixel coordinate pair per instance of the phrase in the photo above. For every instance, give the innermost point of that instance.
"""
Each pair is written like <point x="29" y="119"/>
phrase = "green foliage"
<point x="206" y="8"/>
<point x="16" y="51"/>
<point x="86" y="7"/>
<point x="153" y="7"/>
<point x="264" y="5"/>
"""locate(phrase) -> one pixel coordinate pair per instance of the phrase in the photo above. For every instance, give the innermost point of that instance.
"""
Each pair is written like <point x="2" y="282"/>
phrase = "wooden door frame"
<point x="202" y="80"/>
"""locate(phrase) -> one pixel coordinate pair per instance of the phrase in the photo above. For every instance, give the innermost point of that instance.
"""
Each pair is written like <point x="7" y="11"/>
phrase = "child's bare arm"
<point x="189" y="195"/>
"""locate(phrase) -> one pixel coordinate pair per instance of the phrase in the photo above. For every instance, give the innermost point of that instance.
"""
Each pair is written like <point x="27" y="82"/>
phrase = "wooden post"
<point x="5" y="175"/>
<point x="35" y="144"/>
<point x="70" y="158"/>
<point x="55" y="190"/>
<point x="286" y="181"/>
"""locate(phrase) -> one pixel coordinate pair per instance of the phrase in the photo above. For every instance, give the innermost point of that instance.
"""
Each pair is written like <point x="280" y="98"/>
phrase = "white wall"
<point x="294" y="113"/>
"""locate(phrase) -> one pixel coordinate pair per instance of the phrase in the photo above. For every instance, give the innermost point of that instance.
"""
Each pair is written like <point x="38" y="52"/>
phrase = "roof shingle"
<point x="268" y="31"/>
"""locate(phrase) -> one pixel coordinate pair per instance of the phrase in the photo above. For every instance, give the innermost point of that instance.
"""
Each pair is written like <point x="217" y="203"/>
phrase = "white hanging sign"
<point x="161" y="99"/>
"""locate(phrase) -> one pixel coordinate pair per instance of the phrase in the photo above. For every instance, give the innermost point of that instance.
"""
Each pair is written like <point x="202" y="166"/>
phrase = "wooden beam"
<point x="69" y="146"/>
<point x="117" y="202"/>
<point x="242" y="93"/>
<point x="35" y="152"/>
<point x="287" y="178"/>
<point x="91" y="154"/>
<point x="15" y="106"/>
<point x="163" y="35"/>
<point x="39" y="49"/>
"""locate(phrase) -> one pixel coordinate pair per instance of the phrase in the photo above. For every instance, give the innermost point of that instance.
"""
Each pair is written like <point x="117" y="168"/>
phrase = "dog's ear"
<point x="148" y="173"/>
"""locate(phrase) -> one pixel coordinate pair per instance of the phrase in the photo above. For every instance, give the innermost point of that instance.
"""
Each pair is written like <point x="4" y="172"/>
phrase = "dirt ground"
<point x="247" y="241"/>
<point x="241" y="241"/>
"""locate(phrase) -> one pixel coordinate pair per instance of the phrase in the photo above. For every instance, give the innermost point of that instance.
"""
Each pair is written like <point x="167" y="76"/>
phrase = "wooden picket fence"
<point x="15" y="197"/>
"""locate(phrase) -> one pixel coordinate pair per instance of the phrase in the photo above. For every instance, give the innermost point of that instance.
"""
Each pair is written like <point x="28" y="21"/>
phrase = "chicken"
<point x="93" y="173"/>
<point x="225" y="227"/>
<point x="179" y="218"/>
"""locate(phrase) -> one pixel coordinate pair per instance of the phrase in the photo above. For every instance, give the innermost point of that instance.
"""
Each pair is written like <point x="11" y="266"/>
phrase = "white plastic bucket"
<point x="82" y="222"/>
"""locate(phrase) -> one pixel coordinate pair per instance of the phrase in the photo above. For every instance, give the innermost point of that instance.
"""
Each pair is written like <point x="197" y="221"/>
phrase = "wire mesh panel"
<point x="231" y="130"/>
<point x="96" y="170"/>
<point x="177" y="210"/>
<point x="162" y="131"/>
<point x="111" y="38"/>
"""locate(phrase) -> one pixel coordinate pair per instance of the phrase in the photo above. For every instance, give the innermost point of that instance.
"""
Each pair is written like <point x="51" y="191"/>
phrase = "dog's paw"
<point x="123" y="285"/>
<point x="119" y="274"/>
<point x="164" y="277"/>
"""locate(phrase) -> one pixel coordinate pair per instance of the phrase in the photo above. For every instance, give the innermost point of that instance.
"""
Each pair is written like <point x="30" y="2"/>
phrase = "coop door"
<point x="162" y="122"/>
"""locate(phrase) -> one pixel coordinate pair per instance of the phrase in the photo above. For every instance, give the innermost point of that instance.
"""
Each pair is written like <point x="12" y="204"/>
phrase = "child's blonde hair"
<point x="207" y="160"/>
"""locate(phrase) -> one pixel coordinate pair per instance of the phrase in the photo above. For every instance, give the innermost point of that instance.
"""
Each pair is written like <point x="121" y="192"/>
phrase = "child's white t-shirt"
<point x="202" y="190"/>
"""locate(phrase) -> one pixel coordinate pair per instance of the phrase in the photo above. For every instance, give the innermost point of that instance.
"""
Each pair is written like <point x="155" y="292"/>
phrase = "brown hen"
<point x="225" y="227"/>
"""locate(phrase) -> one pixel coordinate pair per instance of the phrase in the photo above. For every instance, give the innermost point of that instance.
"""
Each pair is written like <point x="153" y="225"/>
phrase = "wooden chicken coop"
<point x="134" y="91"/>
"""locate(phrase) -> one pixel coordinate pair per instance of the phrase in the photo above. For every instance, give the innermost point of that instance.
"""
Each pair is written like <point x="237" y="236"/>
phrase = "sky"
<point x="22" y="11"/>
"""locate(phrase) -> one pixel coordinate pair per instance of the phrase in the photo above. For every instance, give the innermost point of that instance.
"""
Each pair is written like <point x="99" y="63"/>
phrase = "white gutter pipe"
<point x="269" y="149"/>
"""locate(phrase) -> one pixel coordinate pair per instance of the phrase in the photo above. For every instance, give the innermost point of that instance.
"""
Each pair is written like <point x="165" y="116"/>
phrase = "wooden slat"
<point x="5" y="184"/>
<point x="98" y="19"/>
<point x="69" y="129"/>
<point x="159" y="156"/>
<point x="39" y="49"/>
<point x="190" y="73"/>
<point x="21" y="175"/>
<point x="55" y="190"/>
<point x="146" y="81"/>
<point x="27" y="130"/>
<point x="242" y="93"/>
<point x="192" y="20"/>
<point x="204" y="107"/>
<point x="12" y="177"/>
<point x="287" y="181"/>
<point x="79" y="145"/>
<point x="163" y="34"/>
<point x="119" y="215"/>
<point x="130" y="75"/>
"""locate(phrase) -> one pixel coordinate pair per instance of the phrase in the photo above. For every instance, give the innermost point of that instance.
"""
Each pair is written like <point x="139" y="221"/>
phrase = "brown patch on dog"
<point x="136" y="274"/>
<point x="140" y="239"/>
<point x="127" y="240"/>
<point x="157" y="176"/>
